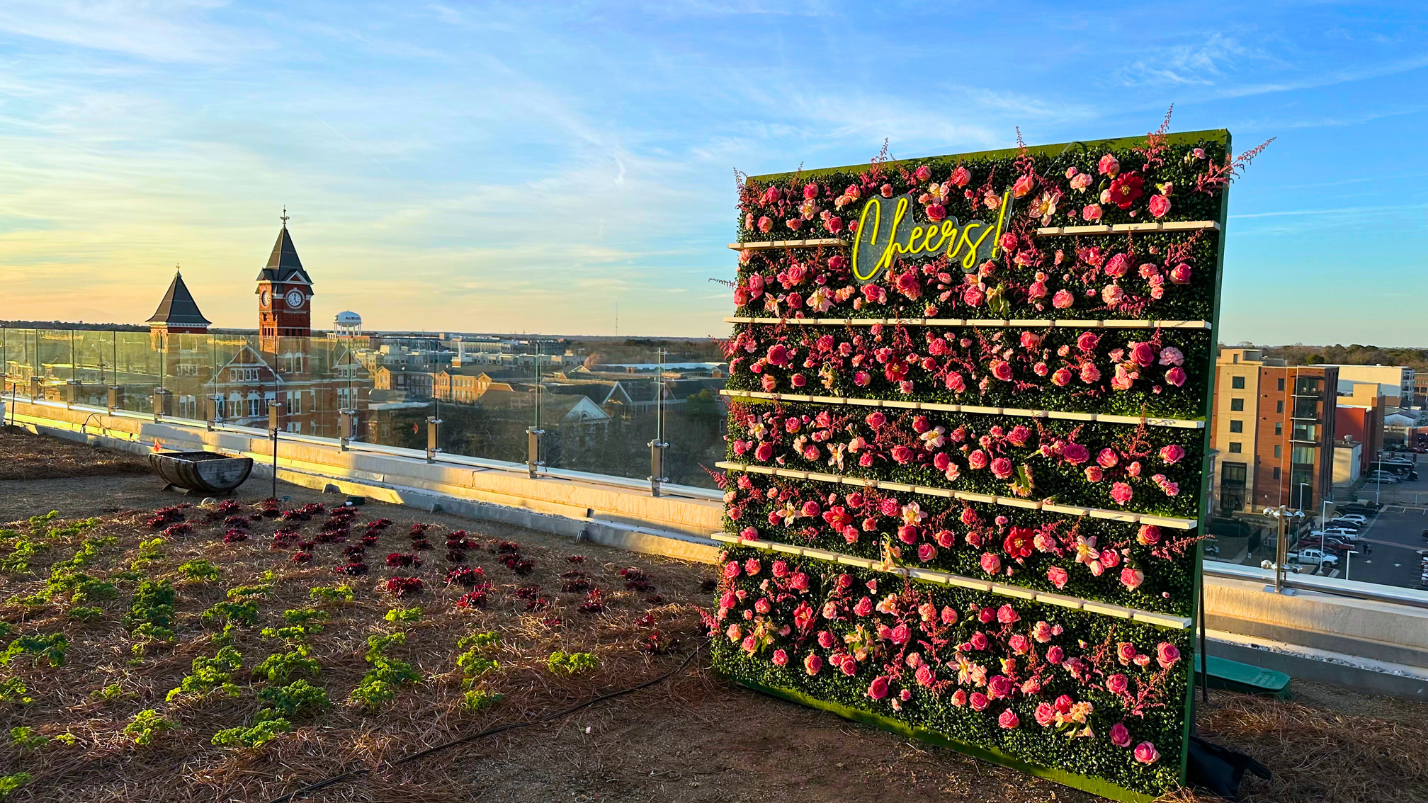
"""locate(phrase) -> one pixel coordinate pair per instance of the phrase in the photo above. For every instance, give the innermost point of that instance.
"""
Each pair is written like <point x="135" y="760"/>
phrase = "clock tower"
<point x="284" y="295"/>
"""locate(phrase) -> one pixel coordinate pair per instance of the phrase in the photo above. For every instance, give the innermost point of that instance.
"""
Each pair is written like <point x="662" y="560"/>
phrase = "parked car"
<point x="1347" y="524"/>
<point x="1335" y="532"/>
<point x="1382" y="478"/>
<point x="1361" y="509"/>
<point x="1358" y="517"/>
<point x="1312" y="557"/>
<point x="1331" y="546"/>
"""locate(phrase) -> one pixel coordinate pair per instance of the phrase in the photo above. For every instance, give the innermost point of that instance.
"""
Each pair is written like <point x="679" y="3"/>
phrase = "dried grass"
<point x="24" y="456"/>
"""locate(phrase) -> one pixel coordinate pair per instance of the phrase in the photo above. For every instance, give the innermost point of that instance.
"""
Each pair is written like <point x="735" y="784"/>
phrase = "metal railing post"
<point x="657" y="476"/>
<point x="275" y="419"/>
<point x="163" y="403"/>
<point x="348" y="422"/>
<point x="534" y="458"/>
<point x="433" y="438"/>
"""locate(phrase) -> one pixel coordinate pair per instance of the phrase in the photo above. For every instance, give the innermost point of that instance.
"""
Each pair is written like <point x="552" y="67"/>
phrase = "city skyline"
<point x="526" y="169"/>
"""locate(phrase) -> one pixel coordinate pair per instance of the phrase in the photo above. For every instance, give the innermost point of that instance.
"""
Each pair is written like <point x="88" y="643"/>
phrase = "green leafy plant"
<point x="477" y="699"/>
<point x="231" y="613"/>
<point x="9" y="784"/>
<point x="257" y="735"/>
<point x="14" y="691"/>
<point x="150" y="552"/>
<point x="85" y="613"/>
<point x="201" y="570"/>
<point x="150" y="618"/>
<point x="278" y="667"/>
<point x="209" y="674"/>
<point x="404" y="615"/>
<point x="249" y="591"/>
<point x="572" y="663"/>
<point x="386" y="676"/>
<point x="51" y="648"/>
<point x="111" y="693"/>
<point x="147" y="725"/>
<point x="340" y="594"/>
<point x="26" y="739"/>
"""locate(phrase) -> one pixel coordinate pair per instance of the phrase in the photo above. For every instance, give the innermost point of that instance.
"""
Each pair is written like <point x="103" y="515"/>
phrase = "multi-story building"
<point x="1396" y="382"/>
<point x="1359" y="417"/>
<point x="1273" y="429"/>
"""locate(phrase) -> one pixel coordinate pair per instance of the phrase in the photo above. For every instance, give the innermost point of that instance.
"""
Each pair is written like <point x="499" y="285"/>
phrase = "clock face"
<point x="294" y="299"/>
<point x="265" y="298"/>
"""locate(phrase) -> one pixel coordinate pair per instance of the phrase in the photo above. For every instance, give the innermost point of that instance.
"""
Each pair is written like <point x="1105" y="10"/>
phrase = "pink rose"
<point x="1002" y="370"/>
<point x="812" y="664"/>
<point x="886" y="190"/>
<point x="1063" y="299"/>
<point x="1120" y="735"/>
<point x="1045" y="715"/>
<point x="926" y="552"/>
<point x="959" y="698"/>
<point x="1054" y="654"/>
<point x="1108" y="166"/>
<point x="764" y="452"/>
<point x="1126" y="652"/>
<point x="1022" y="186"/>
<point x="1121" y="493"/>
<point x="1117" y="683"/>
<point x="977" y="459"/>
<point x="1107" y="458"/>
<point x="864" y="607"/>
<point x="1172" y="453"/>
<point x="1180" y="274"/>
<point x="1159" y="205"/>
<point x="810" y="191"/>
<point x="961" y="177"/>
<point x="1090" y="374"/>
<point x="1002" y="468"/>
<point x="979" y="701"/>
<point x="1112" y="294"/>
<point x="1146" y="753"/>
<point x="1175" y="376"/>
<point x="826" y="640"/>
<point x="878" y="689"/>
<point x="780" y="658"/>
<point x="1091" y="213"/>
<point x="751" y="566"/>
<point x="735" y="633"/>
<point x="1167" y="654"/>
<point x="1062" y="377"/>
<point x="731" y="570"/>
<point x="923" y="173"/>
<point x="924" y="676"/>
<point x="991" y="564"/>
<point x="1132" y="578"/>
<point x="1008" y="719"/>
<point x="1075" y="454"/>
<point x="973" y="296"/>
<point x="1143" y="355"/>
<point x="902" y="454"/>
<point x="1149" y="535"/>
<point x="1094" y="474"/>
<point x="936" y="212"/>
<point x="1086" y="342"/>
<point x="1117" y="266"/>
<point x="765" y="224"/>
<point x="1058" y="577"/>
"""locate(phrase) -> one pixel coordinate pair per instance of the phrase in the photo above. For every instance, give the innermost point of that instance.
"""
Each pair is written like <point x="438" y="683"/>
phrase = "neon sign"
<point x="974" y="242"/>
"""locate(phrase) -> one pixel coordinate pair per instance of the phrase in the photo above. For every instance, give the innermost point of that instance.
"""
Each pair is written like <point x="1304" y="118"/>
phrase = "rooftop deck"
<point x="693" y="737"/>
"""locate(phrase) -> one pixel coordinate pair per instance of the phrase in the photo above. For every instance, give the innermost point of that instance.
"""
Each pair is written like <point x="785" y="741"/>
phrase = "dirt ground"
<point x="694" y="738"/>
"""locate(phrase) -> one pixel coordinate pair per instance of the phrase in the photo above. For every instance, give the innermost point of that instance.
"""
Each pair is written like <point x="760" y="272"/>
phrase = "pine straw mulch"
<point x="182" y="764"/>
<point x="24" y="456"/>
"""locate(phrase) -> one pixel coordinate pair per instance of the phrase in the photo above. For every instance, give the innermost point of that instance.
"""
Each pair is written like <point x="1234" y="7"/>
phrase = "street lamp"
<point x="1282" y="515"/>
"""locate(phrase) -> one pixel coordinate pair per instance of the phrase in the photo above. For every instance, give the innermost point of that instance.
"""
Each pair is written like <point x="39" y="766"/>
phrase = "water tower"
<point x="347" y="324"/>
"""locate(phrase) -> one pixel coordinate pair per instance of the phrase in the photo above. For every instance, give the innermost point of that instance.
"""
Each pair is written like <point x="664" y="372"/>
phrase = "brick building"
<point x="1273" y="427"/>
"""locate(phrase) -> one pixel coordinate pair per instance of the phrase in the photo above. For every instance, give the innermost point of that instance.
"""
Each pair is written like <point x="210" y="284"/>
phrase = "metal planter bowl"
<point x="201" y="471"/>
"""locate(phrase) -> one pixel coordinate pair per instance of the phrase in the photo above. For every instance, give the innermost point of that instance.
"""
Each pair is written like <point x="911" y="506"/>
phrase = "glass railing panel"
<point x="17" y="349"/>
<point x="694" y="411"/>
<point x="486" y="394"/>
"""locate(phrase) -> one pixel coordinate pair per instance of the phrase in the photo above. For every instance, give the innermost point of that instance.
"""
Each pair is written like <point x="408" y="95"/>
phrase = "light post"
<point x="1282" y="515"/>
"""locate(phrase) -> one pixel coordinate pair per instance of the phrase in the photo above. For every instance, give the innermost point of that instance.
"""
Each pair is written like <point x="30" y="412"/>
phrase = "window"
<point x="1279" y="406"/>
<point x="1308" y="386"/>
<point x="1276" y="470"/>
<point x="1306" y="407"/>
<point x="1279" y="427"/>
<point x="1235" y="447"/>
<point x="294" y="402"/>
<point x="1301" y="456"/>
<point x="1277" y="452"/>
<point x="1237" y="382"/>
<point x="1305" y="432"/>
<point x="1237" y="405"/>
<point x="1281" y="383"/>
<point x="1237" y="426"/>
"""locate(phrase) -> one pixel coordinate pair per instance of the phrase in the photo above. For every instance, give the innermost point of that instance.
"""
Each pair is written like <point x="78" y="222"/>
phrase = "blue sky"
<point x="527" y="166"/>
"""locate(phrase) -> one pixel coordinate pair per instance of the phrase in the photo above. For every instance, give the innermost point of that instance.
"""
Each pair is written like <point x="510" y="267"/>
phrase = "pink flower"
<point x="1117" y="266"/>
<point x="1121" y="493"/>
<point x="1091" y="213"/>
<point x="1008" y="720"/>
<point x="1180" y="274"/>
<point x="1022" y="186"/>
<point x="973" y="296"/>
<point x="826" y="640"/>
<point x="1108" y="166"/>
<point x="1143" y="355"/>
<point x="924" y="675"/>
<point x="961" y="177"/>
<point x="1175" y="376"/>
<point x="735" y="633"/>
<point x="1054" y="654"/>
<point x="810" y="191"/>
<point x="1090" y="374"/>
<point x="923" y="173"/>
<point x="1075" y="454"/>
<point x="1112" y="294"/>
<point x="750" y="645"/>
<point x="878" y="689"/>
<point x="1007" y="615"/>
<point x="902" y="454"/>
<point x="979" y="701"/>
<point x="731" y="570"/>
<point x="1094" y="474"/>
<point x="1172" y="453"/>
<point x="1171" y="355"/>
<point x="1002" y="468"/>
<point x="1063" y="299"/>
<point x="765" y="224"/>
<point x="1132" y="578"/>
<point x="751" y="566"/>
<point x="1159" y="205"/>
<point x="763" y="452"/>
<point x="1120" y="735"/>
<point x="864" y="607"/>
<point x="1045" y="715"/>
<point x="991" y="564"/>
<point x="812" y="664"/>
<point x="959" y="698"/>
<point x="1019" y="644"/>
<point x="977" y="459"/>
<point x="1167" y="654"/>
<point x="1002" y="370"/>
<point x="1058" y="577"/>
<point x="1126" y="652"/>
<point x="799" y="581"/>
<point x="1117" y="683"/>
<point x="936" y="212"/>
<point x="780" y="658"/>
<point x="1062" y="377"/>
<point x="1149" y="535"/>
<point x="1146" y="753"/>
<point x="926" y="552"/>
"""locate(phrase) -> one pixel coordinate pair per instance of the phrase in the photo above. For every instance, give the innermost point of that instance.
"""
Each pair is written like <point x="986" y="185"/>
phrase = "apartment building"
<point x="1359" y="418"/>
<point x="1273" y="428"/>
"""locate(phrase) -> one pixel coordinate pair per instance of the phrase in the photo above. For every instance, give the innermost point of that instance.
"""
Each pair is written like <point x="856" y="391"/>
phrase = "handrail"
<point x="1325" y="585"/>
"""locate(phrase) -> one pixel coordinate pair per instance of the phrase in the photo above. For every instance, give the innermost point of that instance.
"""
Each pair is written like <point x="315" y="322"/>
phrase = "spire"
<point x="178" y="309"/>
<point x="284" y="264"/>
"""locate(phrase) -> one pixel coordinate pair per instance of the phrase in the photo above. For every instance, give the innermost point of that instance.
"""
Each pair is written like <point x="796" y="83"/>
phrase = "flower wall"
<point x="1012" y="444"/>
